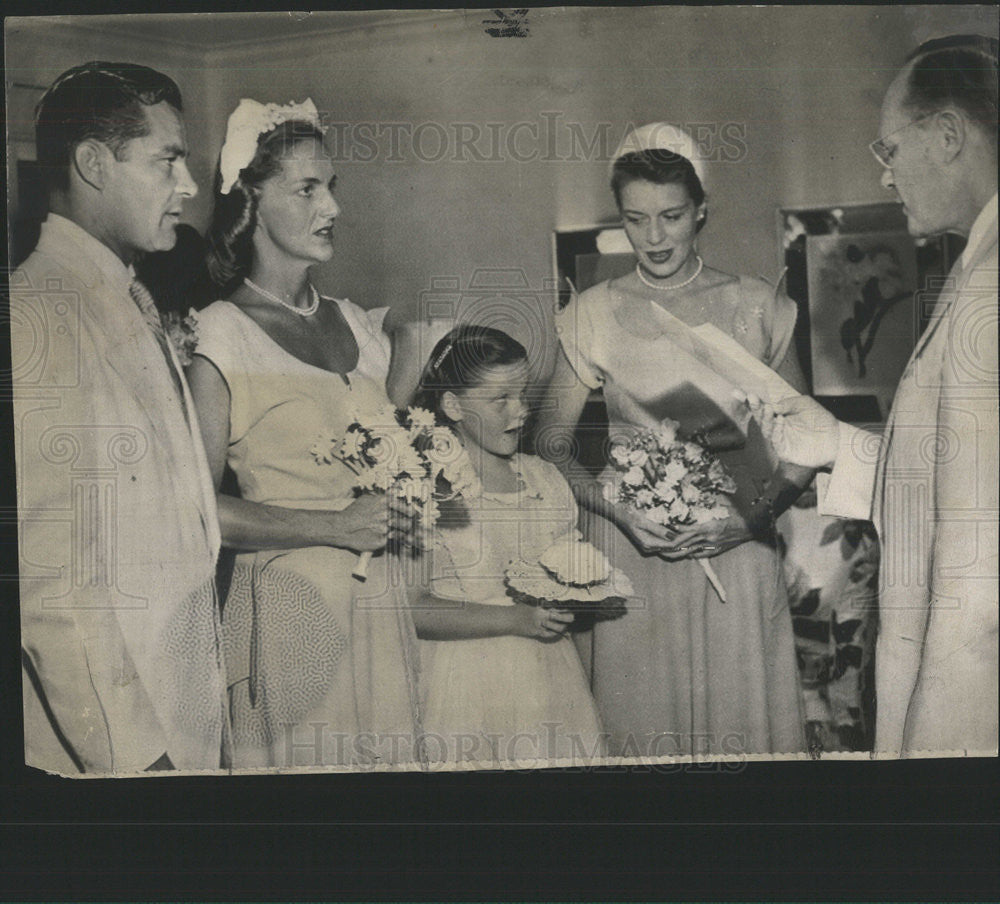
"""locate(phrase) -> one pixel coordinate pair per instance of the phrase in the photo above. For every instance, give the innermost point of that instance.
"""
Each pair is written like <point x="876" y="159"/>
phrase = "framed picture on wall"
<point x="583" y="257"/>
<point x="864" y="289"/>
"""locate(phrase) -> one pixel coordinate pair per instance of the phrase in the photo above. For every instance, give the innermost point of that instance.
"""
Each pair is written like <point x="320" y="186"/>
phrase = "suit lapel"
<point x="129" y="349"/>
<point x="940" y="313"/>
<point x="158" y="399"/>
<point x="132" y="352"/>
<point x="959" y="275"/>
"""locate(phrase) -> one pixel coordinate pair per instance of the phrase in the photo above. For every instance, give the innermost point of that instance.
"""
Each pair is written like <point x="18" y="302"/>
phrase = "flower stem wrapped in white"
<point x="247" y="123"/>
<point x="713" y="579"/>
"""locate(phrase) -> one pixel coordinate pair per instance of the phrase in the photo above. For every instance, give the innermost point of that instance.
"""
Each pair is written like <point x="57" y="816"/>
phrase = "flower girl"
<point x="501" y="680"/>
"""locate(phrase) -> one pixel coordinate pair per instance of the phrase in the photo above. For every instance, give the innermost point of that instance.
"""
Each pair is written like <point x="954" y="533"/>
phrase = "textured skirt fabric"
<point x="322" y="667"/>
<point x="683" y="673"/>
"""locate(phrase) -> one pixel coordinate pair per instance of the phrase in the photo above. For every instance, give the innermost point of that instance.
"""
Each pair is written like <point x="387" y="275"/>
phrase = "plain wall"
<point x="39" y="50"/>
<point x="800" y="87"/>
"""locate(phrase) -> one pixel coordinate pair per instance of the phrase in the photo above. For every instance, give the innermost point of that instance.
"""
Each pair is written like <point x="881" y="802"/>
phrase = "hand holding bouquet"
<point x="404" y="453"/>
<point x="674" y="483"/>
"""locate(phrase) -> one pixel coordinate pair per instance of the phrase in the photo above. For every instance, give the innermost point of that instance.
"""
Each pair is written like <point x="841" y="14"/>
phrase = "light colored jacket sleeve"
<point x="78" y="686"/>
<point x="84" y="691"/>
<point x="847" y="492"/>
<point x="954" y="705"/>
<point x="79" y="683"/>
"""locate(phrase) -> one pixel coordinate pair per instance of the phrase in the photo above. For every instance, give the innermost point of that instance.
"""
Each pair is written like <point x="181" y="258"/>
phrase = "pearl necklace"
<point x="302" y="312"/>
<point x="680" y="285"/>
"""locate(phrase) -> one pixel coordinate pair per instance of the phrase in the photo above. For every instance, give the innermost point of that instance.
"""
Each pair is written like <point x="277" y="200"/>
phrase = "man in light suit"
<point x="118" y="529"/>
<point x="930" y="481"/>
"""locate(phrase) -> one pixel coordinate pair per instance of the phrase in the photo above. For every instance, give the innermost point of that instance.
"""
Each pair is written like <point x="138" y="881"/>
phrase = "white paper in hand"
<point x="727" y="357"/>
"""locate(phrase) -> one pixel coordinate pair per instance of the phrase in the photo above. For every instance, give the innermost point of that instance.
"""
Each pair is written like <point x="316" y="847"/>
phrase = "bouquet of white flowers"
<point x="403" y="452"/>
<point x="672" y="482"/>
<point x="573" y="575"/>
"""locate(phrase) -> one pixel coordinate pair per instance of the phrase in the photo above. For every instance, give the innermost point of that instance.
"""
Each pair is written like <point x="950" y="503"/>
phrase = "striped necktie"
<point x="147" y="307"/>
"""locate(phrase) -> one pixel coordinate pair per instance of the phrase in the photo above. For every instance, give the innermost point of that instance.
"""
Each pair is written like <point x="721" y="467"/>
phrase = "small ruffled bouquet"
<point x="182" y="331"/>
<point x="673" y="482"/>
<point x="573" y="575"/>
<point x="403" y="452"/>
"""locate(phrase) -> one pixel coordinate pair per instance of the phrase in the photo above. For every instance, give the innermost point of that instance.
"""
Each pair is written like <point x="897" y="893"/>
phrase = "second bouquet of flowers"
<point x="672" y="482"/>
<point x="403" y="452"/>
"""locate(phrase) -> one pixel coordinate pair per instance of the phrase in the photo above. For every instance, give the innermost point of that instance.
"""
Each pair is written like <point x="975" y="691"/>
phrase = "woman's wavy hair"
<point x="660" y="167"/>
<point x="230" y="236"/>
<point x="459" y="361"/>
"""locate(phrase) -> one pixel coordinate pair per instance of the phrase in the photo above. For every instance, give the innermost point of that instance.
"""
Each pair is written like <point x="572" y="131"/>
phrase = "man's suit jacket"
<point x="118" y="527"/>
<point x="930" y="486"/>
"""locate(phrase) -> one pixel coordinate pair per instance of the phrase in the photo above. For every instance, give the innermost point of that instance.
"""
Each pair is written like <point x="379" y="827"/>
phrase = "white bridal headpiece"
<point x="662" y="136"/>
<point x="247" y="123"/>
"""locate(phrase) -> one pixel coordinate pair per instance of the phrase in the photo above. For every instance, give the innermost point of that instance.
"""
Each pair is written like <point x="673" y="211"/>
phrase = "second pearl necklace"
<point x="680" y="285"/>
<point x="307" y="311"/>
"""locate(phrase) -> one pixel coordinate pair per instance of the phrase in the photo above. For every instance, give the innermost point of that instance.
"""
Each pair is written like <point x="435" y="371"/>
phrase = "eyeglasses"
<point x="884" y="152"/>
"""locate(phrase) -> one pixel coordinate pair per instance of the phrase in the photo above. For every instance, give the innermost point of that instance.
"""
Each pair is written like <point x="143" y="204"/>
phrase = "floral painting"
<point x="864" y="289"/>
<point x="864" y="321"/>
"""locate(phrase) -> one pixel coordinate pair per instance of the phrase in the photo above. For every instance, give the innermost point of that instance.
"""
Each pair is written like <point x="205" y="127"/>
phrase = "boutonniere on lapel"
<point x="182" y="331"/>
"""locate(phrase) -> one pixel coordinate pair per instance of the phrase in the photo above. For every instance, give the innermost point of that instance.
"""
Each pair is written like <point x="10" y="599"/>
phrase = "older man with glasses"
<point x="929" y="482"/>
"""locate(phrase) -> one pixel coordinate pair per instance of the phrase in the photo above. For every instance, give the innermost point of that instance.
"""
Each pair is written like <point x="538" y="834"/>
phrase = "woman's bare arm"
<point x="247" y="525"/>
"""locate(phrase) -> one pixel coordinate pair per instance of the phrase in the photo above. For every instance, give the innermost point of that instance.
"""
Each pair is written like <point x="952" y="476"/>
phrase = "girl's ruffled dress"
<point x="498" y="700"/>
